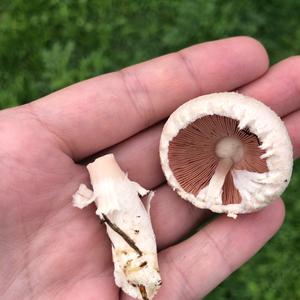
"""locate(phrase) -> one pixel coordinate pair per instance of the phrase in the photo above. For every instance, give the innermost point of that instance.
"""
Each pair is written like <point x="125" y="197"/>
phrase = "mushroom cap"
<point x="205" y="131"/>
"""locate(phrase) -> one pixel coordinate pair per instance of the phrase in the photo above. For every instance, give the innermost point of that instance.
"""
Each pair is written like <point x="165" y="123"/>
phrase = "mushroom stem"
<point x="218" y="179"/>
<point x="229" y="150"/>
<point x="128" y="226"/>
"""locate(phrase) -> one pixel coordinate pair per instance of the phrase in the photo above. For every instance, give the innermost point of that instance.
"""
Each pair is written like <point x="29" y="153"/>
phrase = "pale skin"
<point x="51" y="250"/>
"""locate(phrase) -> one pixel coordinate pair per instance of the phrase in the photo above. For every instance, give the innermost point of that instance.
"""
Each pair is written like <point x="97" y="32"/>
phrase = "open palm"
<point x="51" y="250"/>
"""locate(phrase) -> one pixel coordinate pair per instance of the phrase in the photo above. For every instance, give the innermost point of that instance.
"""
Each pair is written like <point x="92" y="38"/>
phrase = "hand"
<point x="51" y="250"/>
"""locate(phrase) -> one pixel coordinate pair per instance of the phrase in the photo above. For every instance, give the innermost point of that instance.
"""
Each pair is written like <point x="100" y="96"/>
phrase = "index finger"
<point x="99" y="112"/>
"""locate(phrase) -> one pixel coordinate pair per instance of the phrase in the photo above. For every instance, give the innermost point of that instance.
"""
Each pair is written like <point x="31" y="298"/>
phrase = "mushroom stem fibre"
<point x="128" y="226"/>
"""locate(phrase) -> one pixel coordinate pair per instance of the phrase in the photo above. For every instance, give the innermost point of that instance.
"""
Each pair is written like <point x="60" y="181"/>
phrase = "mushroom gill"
<point x="203" y="154"/>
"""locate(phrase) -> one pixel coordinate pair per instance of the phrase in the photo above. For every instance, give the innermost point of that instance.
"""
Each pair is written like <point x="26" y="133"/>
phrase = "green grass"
<point x="46" y="45"/>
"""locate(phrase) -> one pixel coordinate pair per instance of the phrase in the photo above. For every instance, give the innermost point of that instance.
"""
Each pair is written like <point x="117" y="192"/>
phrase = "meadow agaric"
<point x="226" y="152"/>
<point x="128" y="226"/>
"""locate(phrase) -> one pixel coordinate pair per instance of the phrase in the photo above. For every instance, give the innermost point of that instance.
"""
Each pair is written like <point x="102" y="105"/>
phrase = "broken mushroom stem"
<point x="128" y="226"/>
<point x="229" y="150"/>
<point x="217" y="181"/>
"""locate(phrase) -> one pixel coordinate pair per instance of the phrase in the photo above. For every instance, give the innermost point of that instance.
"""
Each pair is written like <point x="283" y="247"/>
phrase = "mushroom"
<point x="226" y="152"/>
<point x="128" y="226"/>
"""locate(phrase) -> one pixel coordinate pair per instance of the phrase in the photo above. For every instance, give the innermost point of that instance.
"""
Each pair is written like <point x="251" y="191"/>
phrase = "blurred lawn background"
<point x="46" y="45"/>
